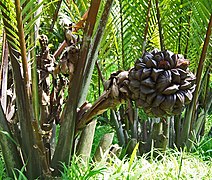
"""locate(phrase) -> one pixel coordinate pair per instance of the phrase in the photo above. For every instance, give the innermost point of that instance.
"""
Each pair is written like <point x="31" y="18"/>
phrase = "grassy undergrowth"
<point x="2" y="169"/>
<point x="172" y="165"/>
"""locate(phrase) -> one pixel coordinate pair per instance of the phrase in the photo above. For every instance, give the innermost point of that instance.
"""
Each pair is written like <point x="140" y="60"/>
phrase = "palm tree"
<point x="116" y="39"/>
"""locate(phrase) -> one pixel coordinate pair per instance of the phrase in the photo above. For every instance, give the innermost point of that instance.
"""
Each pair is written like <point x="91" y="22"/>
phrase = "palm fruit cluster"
<point x="161" y="83"/>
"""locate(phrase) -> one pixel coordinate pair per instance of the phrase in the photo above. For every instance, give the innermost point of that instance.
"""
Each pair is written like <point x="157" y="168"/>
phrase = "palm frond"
<point x="16" y="42"/>
<point x="175" y="17"/>
<point x="66" y="135"/>
<point x="9" y="18"/>
<point x="127" y="26"/>
<point x="200" y="16"/>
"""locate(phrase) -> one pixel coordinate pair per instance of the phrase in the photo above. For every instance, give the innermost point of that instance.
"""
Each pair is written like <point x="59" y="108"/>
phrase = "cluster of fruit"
<point x="161" y="83"/>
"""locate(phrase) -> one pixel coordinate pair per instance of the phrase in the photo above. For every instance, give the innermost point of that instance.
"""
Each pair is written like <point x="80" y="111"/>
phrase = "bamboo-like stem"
<point x="63" y="148"/>
<point x="177" y="127"/>
<point x="162" y="46"/>
<point x="25" y="117"/>
<point x="36" y="107"/>
<point x="188" y="36"/>
<point x="93" y="52"/>
<point x="55" y="15"/>
<point x="41" y="149"/>
<point x="89" y="27"/>
<point x="66" y="135"/>
<point x="37" y="23"/>
<point x="146" y="26"/>
<point x="100" y="73"/>
<point x="191" y="110"/>
<point x="81" y="22"/>
<point x="200" y="69"/>
<point x="4" y="73"/>
<point x="122" y="35"/>
<point x="23" y="106"/>
<point x="180" y="31"/>
<point x="9" y="150"/>
<point x="35" y="96"/>
<point x="23" y="47"/>
<point x="207" y="93"/>
<point x="84" y="145"/>
<point x="60" y="49"/>
<point x="118" y="128"/>
<point x="103" y="146"/>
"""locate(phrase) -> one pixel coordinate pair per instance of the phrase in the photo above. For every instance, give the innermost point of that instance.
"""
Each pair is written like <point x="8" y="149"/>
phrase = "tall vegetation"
<point x="40" y="90"/>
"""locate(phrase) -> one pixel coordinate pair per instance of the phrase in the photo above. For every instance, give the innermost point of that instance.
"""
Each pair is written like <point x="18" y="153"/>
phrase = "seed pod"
<point x="185" y="85"/>
<point x="137" y="74"/>
<point x="146" y="73"/>
<point x="151" y="63"/>
<point x="163" y="82"/>
<point x="147" y="56"/>
<point x="158" y="100"/>
<point x="175" y="76"/>
<point x="148" y="82"/>
<point x="156" y="73"/>
<point x="171" y="90"/>
<point x="183" y="74"/>
<point x="140" y="65"/>
<point x="134" y="83"/>
<point x="168" y="104"/>
<point x="146" y="90"/>
<point x="167" y="56"/>
<point x="142" y="96"/>
<point x="188" y="96"/>
<point x="150" y="97"/>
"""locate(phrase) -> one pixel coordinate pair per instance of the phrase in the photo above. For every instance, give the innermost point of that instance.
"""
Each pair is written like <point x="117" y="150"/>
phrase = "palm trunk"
<point x="84" y="145"/>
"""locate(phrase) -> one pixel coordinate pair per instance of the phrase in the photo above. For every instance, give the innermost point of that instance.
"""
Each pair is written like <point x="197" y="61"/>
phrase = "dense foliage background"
<point x="48" y="98"/>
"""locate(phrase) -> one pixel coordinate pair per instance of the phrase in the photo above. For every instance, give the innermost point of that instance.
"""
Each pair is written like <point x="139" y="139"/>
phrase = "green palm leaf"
<point x="16" y="40"/>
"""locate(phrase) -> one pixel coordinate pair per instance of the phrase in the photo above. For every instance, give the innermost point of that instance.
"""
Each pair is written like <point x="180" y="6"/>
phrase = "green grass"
<point x="203" y="148"/>
<point x="208" y="123"/>
<point x="173" y="165"/>
<point x="2" y="169"/>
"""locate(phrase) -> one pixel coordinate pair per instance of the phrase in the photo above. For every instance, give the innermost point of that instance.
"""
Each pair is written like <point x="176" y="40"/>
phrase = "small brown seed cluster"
<point x="161" y="83"/>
